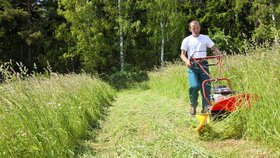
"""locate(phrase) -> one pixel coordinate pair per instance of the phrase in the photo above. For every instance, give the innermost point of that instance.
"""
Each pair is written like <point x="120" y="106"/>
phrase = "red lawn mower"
<point x="223" y="100"/>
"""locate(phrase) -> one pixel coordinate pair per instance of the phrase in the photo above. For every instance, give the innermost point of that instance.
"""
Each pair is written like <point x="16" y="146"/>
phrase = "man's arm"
<point x="184" y="57"/>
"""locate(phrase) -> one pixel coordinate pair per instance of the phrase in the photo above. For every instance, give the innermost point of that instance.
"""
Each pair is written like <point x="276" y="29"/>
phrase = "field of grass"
<point x="48" y="117"/>
<point x="259" y="73"/>
<point x="153" y="120"/>
<point x="146" y="124"/>
<point x="55" y="117"/>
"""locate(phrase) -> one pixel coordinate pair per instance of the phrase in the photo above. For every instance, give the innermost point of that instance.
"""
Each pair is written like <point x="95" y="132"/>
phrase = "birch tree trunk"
<point x="29" y="24"/>
<point x="162" y="24"/>
<point x="121" y="36"/>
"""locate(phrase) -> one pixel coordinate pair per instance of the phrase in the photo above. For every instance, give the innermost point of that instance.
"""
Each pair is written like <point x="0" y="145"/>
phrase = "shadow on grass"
<point x="128" y="79"/>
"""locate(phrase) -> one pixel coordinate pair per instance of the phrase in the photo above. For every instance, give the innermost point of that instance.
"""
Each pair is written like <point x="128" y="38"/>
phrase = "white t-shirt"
<point x="197" y="46"/>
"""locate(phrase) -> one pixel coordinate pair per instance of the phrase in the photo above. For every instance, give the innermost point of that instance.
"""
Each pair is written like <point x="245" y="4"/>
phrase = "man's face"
<point x="195" y="28"/>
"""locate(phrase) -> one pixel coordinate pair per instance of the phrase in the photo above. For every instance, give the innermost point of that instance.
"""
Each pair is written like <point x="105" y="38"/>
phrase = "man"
<point x="196" y="46"/>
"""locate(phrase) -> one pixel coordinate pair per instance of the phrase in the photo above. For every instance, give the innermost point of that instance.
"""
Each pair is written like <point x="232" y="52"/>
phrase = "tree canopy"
<point x="98" y="36"/>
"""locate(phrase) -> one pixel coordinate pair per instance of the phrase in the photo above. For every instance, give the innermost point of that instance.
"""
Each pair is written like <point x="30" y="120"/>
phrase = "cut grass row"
<point x="147" y="124"/>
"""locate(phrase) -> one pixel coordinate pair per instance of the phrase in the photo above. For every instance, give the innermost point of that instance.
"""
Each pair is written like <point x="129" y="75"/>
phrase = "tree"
<point x="121" y="34"/>
<point x="164" y="25"/>
<point x="86" y="25"/>
<point x="27" y="32"/>
<point x="263" y="13"/>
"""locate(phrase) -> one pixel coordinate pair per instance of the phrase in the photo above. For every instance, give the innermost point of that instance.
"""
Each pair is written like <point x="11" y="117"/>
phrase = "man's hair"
<point x="194" y="21"/>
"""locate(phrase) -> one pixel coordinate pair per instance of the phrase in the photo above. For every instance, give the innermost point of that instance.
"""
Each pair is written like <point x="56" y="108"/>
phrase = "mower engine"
<point x="220" y="92"/>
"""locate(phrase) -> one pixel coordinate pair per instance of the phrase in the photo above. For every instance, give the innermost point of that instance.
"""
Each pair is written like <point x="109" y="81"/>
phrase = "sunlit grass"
<point x="257" y="72"/>
<point x="170" y="81"/>
<point x="47" y="117"/>
<point x="50" y="117"/>
<point x="147" y="124"/>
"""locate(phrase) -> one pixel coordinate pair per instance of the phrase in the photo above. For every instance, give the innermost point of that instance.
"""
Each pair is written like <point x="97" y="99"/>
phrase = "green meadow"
<point x="48" y="117"/>
<point x="153" y="119"/>
<point x="82" y="116"/>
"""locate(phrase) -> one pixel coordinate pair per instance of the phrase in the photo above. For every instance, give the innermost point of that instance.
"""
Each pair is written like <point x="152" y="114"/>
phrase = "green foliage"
<point x="77" y="36"/>
<point x="225" y="42"/>
<point x="47" y="117"/>
<point x="126" y="79"/>
<point x="165" y="27"/>
<point x="264" y="16"/>
<point x="27" y="34"/>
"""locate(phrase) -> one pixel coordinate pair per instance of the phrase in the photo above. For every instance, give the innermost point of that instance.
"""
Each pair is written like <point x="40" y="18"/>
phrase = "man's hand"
<point x="216" y="50"/>
<point x="184" y="58"/>
<point x="188" y="63"/>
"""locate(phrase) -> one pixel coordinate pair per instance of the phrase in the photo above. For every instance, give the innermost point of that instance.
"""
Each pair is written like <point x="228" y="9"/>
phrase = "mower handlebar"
<point x="198" y="60"/>
<point x="217" y="63"/>
<point x="206" y="58"/>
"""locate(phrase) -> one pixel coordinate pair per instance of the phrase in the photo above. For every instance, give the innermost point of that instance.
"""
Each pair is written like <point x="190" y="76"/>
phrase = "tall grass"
<point x="257" y="72"/>
<point x="47" y="117"/>
<point x="171" y="81"/>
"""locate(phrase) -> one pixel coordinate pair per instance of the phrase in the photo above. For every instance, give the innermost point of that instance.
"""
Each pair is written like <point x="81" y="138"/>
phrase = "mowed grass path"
<point x="145" y="124"/>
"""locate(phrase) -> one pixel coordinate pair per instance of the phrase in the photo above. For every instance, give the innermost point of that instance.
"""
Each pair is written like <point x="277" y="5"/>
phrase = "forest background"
<point x="106" y="37"/>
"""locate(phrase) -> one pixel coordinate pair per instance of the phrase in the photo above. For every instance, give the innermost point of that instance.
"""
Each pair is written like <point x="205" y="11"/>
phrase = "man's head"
<point x="194" y="28"/>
